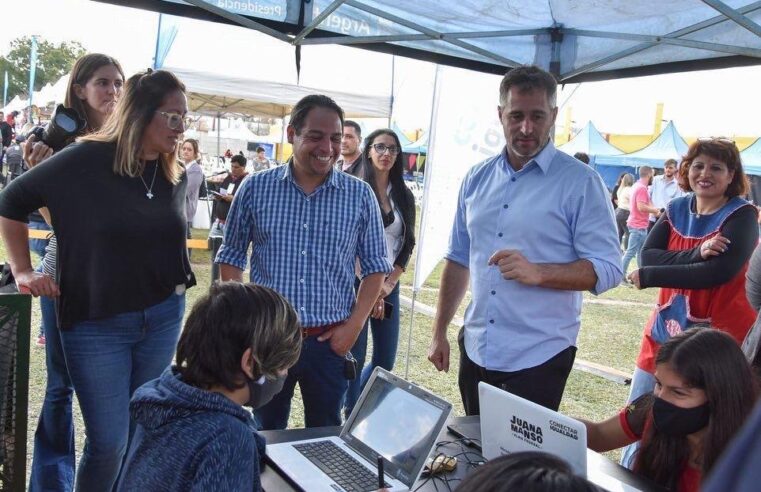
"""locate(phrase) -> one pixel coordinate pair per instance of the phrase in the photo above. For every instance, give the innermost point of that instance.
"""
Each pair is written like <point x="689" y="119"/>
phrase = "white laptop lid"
<point x="397" y="420"/>
<point x="510" y="424"/>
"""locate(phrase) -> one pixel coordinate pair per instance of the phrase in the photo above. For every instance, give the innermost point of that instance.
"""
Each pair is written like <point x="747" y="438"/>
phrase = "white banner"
<point x="465" y="130"/>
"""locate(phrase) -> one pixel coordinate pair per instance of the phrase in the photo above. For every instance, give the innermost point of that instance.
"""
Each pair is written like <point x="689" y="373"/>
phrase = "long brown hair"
<point x="710" y="360"/>
<point x="83" y="70"/>
<point x="143" y="93"/>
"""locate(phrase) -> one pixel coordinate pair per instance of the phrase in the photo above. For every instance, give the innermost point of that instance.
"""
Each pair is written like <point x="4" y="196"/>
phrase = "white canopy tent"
<point x="216" y="95"/>
<point x="213" y="94"/>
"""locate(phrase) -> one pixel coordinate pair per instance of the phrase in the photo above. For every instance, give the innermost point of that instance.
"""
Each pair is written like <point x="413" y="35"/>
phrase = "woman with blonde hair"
<point x="95" y="85"/>
<point x="122" y="263"/>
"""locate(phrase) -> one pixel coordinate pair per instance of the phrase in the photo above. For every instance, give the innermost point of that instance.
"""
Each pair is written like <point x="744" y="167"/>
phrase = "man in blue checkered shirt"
<point x="307" y="224"/>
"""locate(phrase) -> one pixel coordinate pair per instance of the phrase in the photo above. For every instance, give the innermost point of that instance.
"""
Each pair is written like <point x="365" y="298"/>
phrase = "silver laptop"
<point x="392" y="418"/>
<point x="510" y="424"/>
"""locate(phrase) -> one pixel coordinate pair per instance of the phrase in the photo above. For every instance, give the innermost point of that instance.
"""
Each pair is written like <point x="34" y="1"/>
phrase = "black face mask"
<point x="260" y="394"/>
<point x="677" y="421"/>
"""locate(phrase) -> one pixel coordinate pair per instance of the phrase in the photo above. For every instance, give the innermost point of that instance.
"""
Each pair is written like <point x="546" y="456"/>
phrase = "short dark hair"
<point x="238" y="159"/>
<point x="354" y="125"/>
<point x="527" y="78"/>
<point x="307" y="104"/>
<point x="582" y="156"/>
<point x="259" y="149"/>
<point x="670" y="162"/>
<point x="228" y="320"/>
<point x="526" y="470"/>
<point x="721" y="150"/>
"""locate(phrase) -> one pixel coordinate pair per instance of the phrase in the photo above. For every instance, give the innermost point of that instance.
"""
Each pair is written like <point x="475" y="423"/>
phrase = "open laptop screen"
<point x="398" y="423"/>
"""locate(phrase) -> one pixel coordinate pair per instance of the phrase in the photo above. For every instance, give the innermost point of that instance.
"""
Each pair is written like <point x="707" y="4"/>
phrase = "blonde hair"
<point x="143" y="94"/>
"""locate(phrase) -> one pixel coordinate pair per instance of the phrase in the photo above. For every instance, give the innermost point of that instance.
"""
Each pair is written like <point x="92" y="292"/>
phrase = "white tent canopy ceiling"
<point x="212" y="94"/>
<point x="578" y="40"/>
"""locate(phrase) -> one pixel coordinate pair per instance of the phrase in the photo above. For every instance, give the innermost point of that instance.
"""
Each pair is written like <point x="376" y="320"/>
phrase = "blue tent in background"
<point x="751" y="158"/>
<point x="668" y="145"/>
<point x="591" y="142"/>
<point x="420" y="146"/>
<point x="402" y="137"/>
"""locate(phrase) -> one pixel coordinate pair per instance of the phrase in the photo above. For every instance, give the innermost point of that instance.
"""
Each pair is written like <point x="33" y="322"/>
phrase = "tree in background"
<point x="53" y="61"/>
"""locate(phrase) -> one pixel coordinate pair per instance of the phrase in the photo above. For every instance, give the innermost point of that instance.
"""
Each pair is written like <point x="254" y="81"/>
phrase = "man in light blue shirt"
<point x="306" y="224"/>
<point x="533" y="229"/>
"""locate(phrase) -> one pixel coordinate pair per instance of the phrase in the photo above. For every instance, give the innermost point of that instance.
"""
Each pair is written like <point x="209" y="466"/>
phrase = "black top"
<point x="118" y="251"/>
<point x="221" y="207"/>
<point x="686" y="269"/>
<point x="6" y="133"/>
<point x="408" y="216"/>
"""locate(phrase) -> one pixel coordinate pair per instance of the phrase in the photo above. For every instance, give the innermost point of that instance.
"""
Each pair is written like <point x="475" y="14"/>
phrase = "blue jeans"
<point x="320" y="374"/>
<point x="108" y="359"/>
<point x="636" y="240"/>
<point x="385" y="342"/>
<point x="53" y="458"/>
<point x="38" y="246"/>
<point x="642" y="383"/>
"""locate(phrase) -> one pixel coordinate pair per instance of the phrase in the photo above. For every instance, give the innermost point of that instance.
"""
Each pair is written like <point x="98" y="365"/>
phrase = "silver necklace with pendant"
<point x="149" y="190"/>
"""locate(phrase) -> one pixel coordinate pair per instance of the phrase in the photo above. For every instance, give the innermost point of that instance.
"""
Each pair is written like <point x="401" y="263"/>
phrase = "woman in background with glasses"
<point x="382" y="167"/>
<point x="122" y="263"/>
<point x="697" y="254"/>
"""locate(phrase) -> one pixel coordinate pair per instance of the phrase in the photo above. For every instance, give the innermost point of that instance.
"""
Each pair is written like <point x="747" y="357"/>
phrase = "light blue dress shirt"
<point x="554" y="210"/>
<point x="304" y="246"/>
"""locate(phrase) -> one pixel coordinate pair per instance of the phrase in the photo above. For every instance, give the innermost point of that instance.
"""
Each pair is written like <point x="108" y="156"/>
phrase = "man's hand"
<point x="36" y="284"/>
<point x="438" y="353"/>
<point x="342" y="337"/>
<point x="514" y="266"/>
<point x="634" y="279"/>
<point x="35" y="152"/>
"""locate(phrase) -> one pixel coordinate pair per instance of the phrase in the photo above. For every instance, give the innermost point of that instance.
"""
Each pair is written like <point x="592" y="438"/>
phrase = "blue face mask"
<point x="677" y="421"/>
<point x="261" y="391"/>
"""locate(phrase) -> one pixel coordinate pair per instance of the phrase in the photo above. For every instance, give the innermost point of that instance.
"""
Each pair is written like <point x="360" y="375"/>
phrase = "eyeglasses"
<point x="716" y="139"/>
<point x="175" y="120"/>
<point x="382" y="148"/>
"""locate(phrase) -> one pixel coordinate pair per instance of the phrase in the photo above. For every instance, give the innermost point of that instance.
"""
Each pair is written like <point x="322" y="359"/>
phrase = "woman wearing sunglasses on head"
<point x="704" y="391"/>
<point x="382" y="167"/>
<point x="698" y="253"/>
<point x="122" y="263"/>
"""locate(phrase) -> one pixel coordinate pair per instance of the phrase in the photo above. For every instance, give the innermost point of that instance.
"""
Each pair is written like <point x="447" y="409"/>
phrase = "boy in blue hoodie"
<point x="192" y="431"/>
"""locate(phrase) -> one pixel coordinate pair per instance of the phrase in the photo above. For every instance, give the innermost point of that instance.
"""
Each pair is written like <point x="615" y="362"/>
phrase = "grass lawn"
<point x="610" y="335"/>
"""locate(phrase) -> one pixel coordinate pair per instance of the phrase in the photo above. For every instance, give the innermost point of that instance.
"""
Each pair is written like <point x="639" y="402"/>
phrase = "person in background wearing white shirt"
<point x="664" y="189"/>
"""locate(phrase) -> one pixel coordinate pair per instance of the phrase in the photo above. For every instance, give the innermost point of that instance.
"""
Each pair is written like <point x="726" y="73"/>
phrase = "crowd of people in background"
<point x="325" y="239"/>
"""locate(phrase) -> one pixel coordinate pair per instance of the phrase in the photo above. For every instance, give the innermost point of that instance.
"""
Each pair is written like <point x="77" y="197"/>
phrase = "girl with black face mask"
<point x="704" y="392"/>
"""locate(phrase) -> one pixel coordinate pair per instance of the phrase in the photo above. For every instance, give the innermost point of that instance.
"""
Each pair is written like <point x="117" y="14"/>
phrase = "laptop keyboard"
<point x="340" y="466"/>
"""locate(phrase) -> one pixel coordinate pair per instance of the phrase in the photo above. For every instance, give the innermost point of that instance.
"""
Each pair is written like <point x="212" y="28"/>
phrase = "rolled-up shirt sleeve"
<point x="595" y="237"/>
<point x="459" y="239"/>
<point x="371" y="243"/>
<point x="239" y="228"/>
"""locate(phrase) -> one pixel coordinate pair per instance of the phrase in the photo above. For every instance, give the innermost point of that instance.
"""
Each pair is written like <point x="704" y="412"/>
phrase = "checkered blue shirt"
<point x="304" y="246"/>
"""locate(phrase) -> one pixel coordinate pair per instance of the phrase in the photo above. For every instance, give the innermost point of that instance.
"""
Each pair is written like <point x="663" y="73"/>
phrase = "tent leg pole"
<point x="409" y="336"/>
<point x="218" y="133"/>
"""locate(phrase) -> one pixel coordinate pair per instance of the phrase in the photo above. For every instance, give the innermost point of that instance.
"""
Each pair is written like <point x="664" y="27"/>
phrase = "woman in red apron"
<point x="698" y="254"/>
